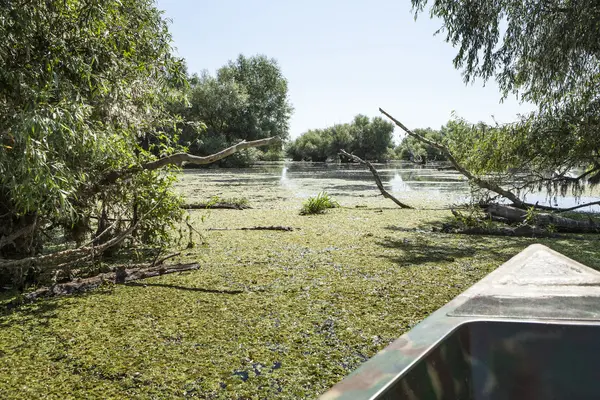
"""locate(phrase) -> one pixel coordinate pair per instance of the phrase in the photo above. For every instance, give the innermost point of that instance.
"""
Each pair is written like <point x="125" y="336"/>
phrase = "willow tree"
<point x="82" y="82"/>
<point x="546" y="52"/>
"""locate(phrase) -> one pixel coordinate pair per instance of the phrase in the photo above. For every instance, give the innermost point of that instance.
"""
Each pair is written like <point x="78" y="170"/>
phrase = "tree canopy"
<point x="411" y="149"/>
<point x="246" y="100"/>
<point x="369" y="139"/>
<point x="543" y="51"/>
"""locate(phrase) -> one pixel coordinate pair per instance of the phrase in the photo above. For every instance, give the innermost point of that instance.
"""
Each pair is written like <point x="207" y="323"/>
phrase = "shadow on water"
<point x="413" y="251"/>
<point x="420" y="245"/>
<point x="192" y="289"/>
<point x="40" y="311"/>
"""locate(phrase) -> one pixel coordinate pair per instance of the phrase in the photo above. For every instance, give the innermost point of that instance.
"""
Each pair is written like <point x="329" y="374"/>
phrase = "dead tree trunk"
<point x="120" y="276"/>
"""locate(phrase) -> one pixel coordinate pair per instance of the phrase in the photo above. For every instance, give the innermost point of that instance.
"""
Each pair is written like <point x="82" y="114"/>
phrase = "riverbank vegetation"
<point x="96" y="118"/>
<point x="367" y="138"/>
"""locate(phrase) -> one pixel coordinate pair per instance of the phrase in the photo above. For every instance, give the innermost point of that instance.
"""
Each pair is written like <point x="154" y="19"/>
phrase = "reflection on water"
<point x="302" y="179"/>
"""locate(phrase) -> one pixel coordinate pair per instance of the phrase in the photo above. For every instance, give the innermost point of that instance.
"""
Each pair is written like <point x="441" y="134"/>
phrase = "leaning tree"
<point x="546" y="52"/>
<point x="83" y="85"/>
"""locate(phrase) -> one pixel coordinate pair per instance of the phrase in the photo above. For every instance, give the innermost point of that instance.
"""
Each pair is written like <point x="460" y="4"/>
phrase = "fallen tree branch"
<point x="384" y="192"/>
<point x="558" y="223"/>
<point x="257" y="228"/>
<point x="81" y="253"/>
<point x="126" y="275"/>
<point x="165" y="258"/>
<point x="482" y="183"/>
<point x="180" y="158"/>
<point x="485" y="184"/>
<point x="593" y="203"/>
<point x="521" y="231"/>
<point x="218" y="205"/>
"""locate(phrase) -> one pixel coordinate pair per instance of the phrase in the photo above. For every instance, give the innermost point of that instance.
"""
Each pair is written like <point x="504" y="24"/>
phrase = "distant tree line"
<point x="411" y="149"/>
<point x="369" y="139"/>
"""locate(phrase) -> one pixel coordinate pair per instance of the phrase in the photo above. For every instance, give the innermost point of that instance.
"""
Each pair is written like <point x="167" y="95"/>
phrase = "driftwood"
<point x="558" y="223"/>
<point x="523" y="223"/>
<point x="257" y="228"/>
<point x="120" y="275"/>
<point x="384" y="192"/>
<point x="219" y="205"/>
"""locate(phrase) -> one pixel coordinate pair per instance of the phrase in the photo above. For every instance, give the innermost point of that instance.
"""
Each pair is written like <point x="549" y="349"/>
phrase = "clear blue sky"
<point x="341" y="58"/>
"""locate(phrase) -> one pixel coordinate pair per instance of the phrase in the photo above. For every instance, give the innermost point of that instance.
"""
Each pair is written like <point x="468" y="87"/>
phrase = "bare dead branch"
<point x="482" y="183"/>
<point x="593" y="203"/>
<point x="217" y="205"/>
<point x="165" y="258"/>
<point x="384" y="192"/>
<point x="104" y="232"/>
<point x="86" y="284"/>
<point x="180" y="158"/>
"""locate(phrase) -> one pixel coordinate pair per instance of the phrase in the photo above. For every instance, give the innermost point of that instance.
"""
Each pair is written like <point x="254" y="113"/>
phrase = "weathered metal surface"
<point x="537" y="286"/>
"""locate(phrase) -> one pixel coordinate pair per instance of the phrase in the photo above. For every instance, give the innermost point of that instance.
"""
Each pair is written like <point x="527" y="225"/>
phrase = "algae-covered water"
<point x="267" y="314"/>
<point x="275" y="183"/>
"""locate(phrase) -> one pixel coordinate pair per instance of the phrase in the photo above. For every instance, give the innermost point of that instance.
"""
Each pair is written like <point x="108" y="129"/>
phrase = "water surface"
<point x="351" y="184"/>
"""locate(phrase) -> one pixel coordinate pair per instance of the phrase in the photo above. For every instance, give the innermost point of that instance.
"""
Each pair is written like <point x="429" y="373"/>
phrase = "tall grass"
<point x="318" y="205"/>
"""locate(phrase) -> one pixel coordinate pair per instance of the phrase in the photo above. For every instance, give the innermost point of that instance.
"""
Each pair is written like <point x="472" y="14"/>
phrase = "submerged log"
<point x="523" y="230"/>
<point x="257" y="228"/>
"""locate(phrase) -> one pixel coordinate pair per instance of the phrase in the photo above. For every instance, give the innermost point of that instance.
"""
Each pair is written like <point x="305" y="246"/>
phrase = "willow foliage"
<point x="82" y="83"/>
<point x="546" y="52"/>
